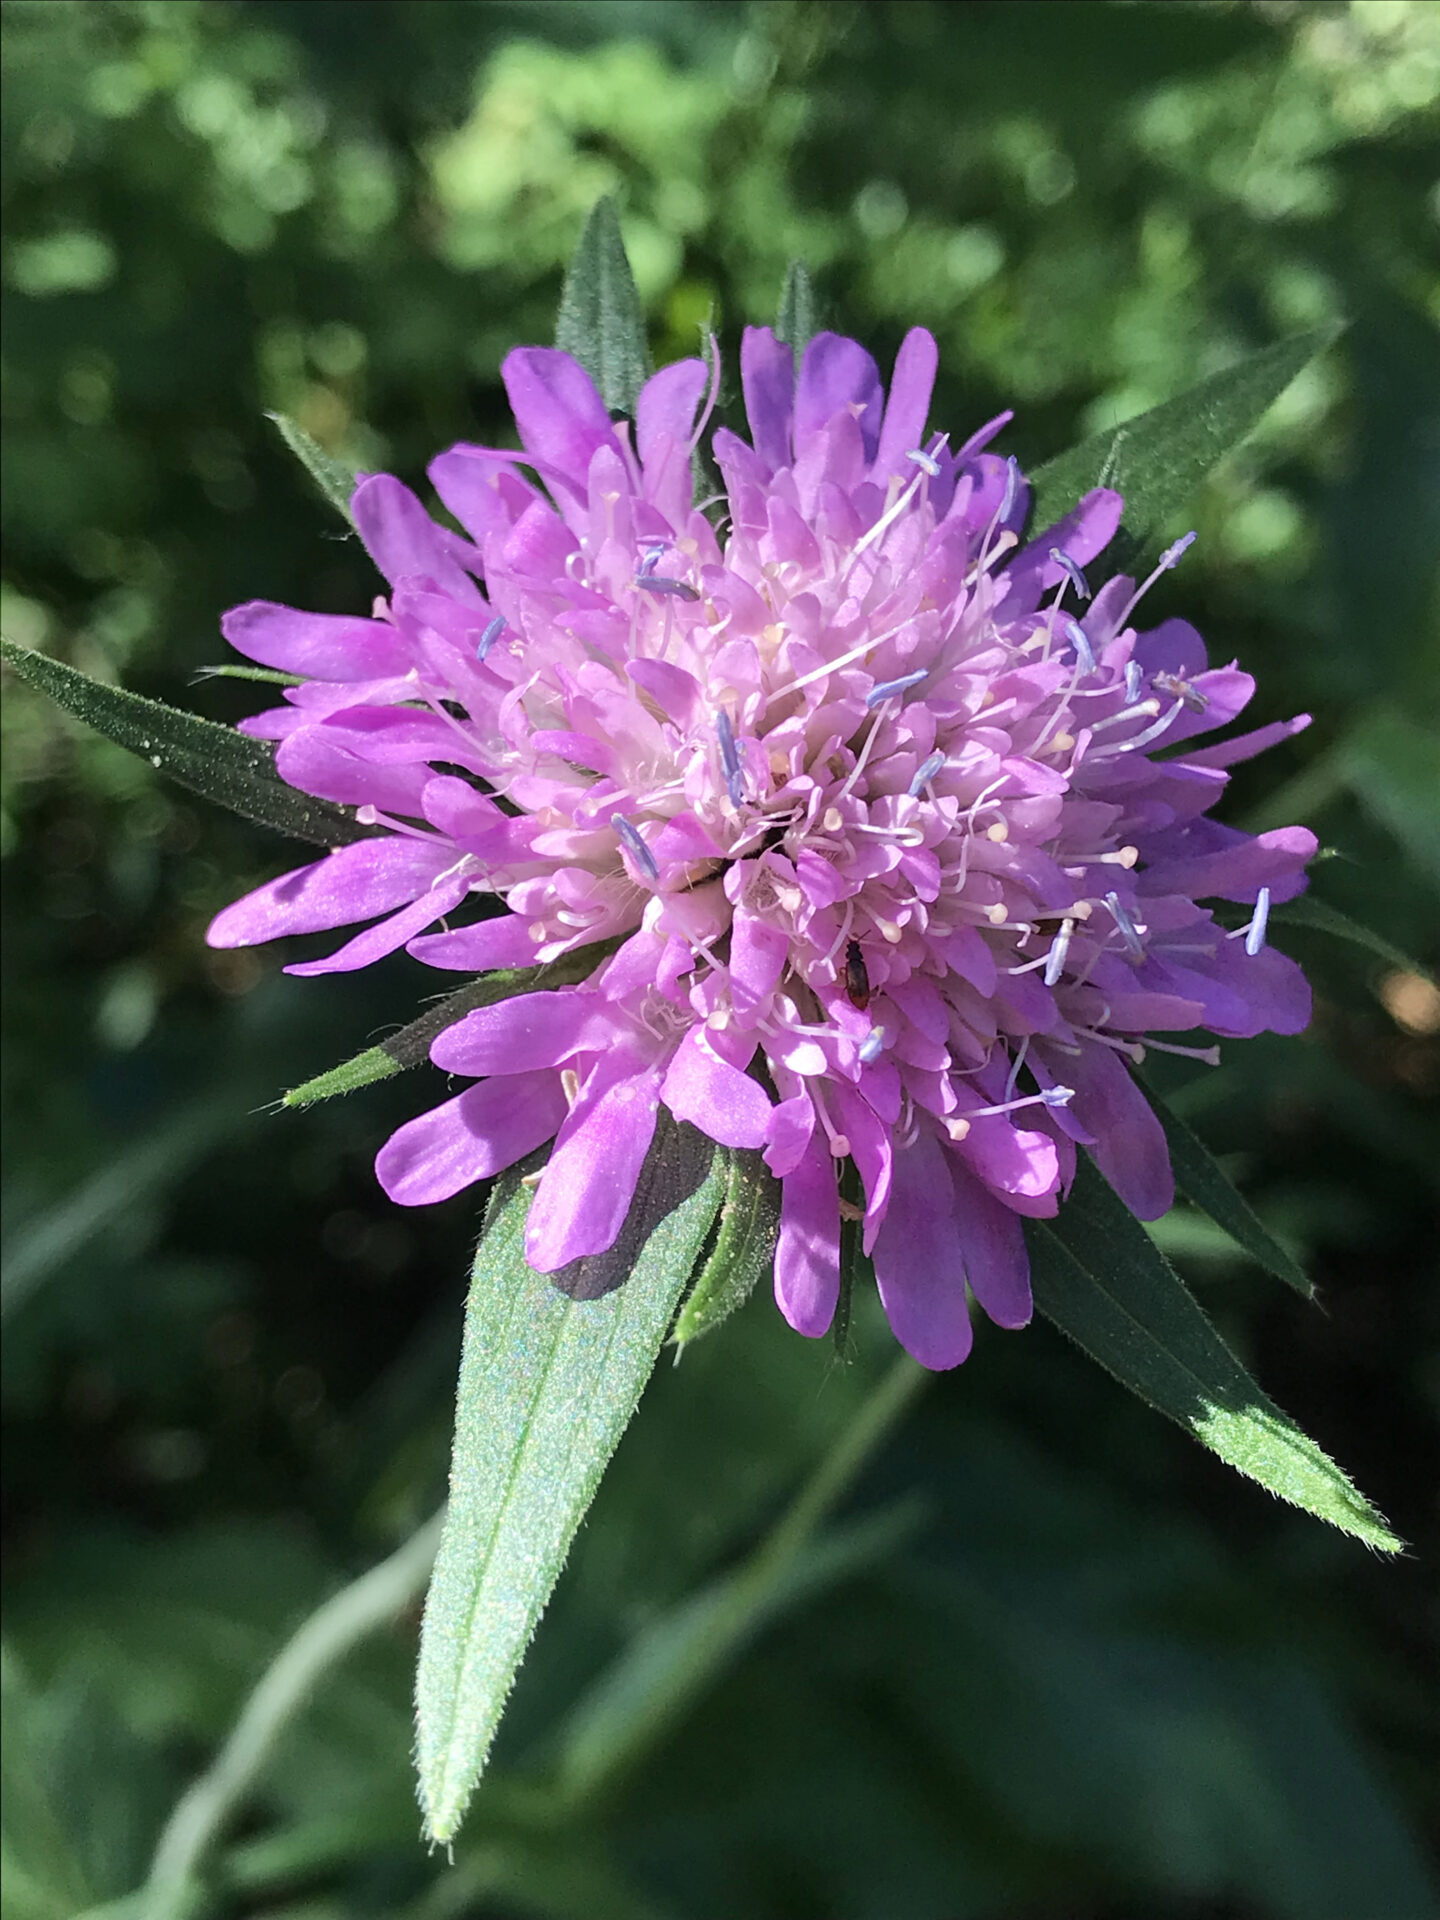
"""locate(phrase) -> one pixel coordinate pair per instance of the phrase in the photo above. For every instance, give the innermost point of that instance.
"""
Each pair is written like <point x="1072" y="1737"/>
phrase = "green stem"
<point x="324" y="1639"/>
<point x="737" y="1605"/>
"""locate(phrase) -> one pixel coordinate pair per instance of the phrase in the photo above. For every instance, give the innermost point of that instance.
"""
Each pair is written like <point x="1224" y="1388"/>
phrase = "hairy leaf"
<point x="1202" y="1179"/>
<point x="334" y="479"/>
<point x="744" y="1248"/>
<point x="213" y="761"/>
<point x="1104" y="1283"/>
<point x="795" y="323"/>
<point x="1158" y="459"/>
<point x="547" y="1386"/>
<point x="601" y="321"/>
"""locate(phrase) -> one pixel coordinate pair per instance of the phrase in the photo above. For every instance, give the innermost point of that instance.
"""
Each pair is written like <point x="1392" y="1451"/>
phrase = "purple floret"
<point x="879" y="825"/>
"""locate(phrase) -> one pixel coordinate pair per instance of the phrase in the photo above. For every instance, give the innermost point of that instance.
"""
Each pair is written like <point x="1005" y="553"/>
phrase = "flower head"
<point x="861" y="791"/>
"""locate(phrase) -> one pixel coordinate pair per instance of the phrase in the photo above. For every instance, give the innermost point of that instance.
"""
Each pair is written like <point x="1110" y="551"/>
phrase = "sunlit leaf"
<point x="213" y="761"/>
<point x="334" y="479"/>
<point x="744" y="1248"/>
<point x="548" y="1383"/>
<point x="1159" y="458"/>
<point x="1202" y="1179"/>
<point x="601" y="321"/>
<point x="1098" y="1275"/>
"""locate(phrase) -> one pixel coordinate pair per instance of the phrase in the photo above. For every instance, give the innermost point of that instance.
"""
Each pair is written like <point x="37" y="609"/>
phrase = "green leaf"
<point x="795" y="322"/>
<point x="334" y="479"/>
<point x="744" y="1249"/>
<point x="412" y="1043"/>
<point x="548" y="1383"/>
<point x="213" y="761"/>
<point x="1202" y="1179"/>
<point x="1306" y="911"/>
<point x="1393" y="764"/>
<point x="268" y="676"/>
<point x="1098" y="1275"/>
<point x="1158" y="459"/>
<point x="601" y="321"/>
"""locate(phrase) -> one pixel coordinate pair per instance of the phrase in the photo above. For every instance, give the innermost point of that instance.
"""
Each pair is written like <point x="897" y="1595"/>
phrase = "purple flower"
<point x="866" y="788"/>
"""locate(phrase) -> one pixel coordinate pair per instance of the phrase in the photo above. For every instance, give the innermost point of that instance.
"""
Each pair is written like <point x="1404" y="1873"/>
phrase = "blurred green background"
<point x="1056" y="1664"/>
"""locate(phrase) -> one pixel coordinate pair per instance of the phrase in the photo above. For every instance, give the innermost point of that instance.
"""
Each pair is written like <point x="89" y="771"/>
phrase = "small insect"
<point x="1179" y="688"/>
<point x="857" y="979"/>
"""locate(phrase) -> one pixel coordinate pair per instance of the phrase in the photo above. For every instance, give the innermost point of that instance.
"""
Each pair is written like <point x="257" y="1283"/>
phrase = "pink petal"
<point x="1130" y="1148"/>
<point x="807" y="1255"/>
<point x="996" y="1262"/>
<point x="354" y="883"/>
<point x="314" y="760"/>
<point x="767" y="379"/>
<point x="482" y="489"/>
<point x="666" y="406"/>
<point x="404" y="542"/>
<point x="482" y="1131"/>
<point x="758" y="951"/>
<point x="1246" y="745"/>
<point x="918" y="1263"/>
<point x="323" y="646"/>
<point x="837" y="373"/>
<point x="561" y="417"/>
<point x="700" y="1087"/>
<point x="389" y="936"/>
<point x="590" y="1180"/>
<point x="528" y="1030"/>
<point x="908" y="407"/>
<point x="489" y="944"/>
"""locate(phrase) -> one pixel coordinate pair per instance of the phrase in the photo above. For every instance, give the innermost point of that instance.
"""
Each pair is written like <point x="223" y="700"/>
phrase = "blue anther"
<point x="1072" y="570"/>
<point x="730" y="757"/>
<point x="887" y="689"/>
<point x="872" y="1046"/>
<point x="1012" y="487"/>
<point x="635" y="846"/>
<point x="1255" y="936"/>
<point x="925" y="773"/>
<point x="488" y="638"/>
<point x="1129" y="932"/>
<point x="926" y="461"/>
<point x="1057" y="1096"/>
<point x="1081" y="644"/>
<point x="1059" y="948"/>
<point x="1134" y="680"/>
<point x="652" y="550"/>
<point x="658" y="583"/>
<point x="1173" y="555"/>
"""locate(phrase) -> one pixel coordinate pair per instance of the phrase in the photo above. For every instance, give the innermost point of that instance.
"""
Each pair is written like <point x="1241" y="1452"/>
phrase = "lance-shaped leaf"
<point x="795" y="323"/>
<point x="1098" y="1275"/>
<point x="601" y="321"/>
<point x="334" y="479"/>
<point x="744" y="1248"/>
<point x="548" y="1383"/>
<point x="209" y="759"/>
<point x="412" y="1043"/>
<point x="1158" y="459"/>
<point x="1202" y="1179"/>
<point x="1318" y="915"/>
